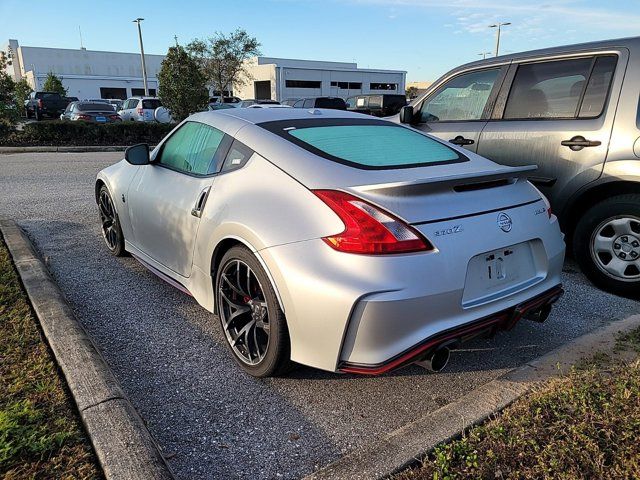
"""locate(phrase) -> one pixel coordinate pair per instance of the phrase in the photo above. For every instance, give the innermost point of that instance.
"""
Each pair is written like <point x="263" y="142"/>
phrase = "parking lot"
<point x="208" y="417"/>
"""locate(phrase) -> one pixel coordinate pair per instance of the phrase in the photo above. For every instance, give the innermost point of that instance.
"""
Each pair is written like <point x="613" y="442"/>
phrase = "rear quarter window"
<point x="151" y="104"/>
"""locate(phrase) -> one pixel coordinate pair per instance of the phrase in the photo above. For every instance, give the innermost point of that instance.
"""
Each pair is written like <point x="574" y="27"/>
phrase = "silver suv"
<point x="574" y="112"/>
<point x="139" y="109"/>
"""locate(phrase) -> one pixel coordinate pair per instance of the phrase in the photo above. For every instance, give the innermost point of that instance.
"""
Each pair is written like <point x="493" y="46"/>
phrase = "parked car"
<point x="40" y="104"/>
<point x="290" y="101"/>
<point x="225" y="100"/>
<point x="573" y="111"/>
<point x="93" y="112"/>
<point x="376" y="105"/>
<point x="117" y="103"/>
<point x="139" y="109"/>
<point x="219" y="106"/>
<point x="333" y="103"/>
<point x="371" y="245"/>
<point x="251" y="101"/>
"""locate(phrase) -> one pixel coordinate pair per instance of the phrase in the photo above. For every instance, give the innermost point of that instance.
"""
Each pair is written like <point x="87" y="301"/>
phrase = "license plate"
<point x="101" y="119"/>
<point x="500" y="272"/>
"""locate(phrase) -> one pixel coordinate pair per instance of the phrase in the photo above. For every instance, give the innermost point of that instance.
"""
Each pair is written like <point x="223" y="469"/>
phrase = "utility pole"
<point x="498" y="25"/>
<point x="144" y="65"/>
<point x="176" y="39"/>
<point x="484" y="54"/>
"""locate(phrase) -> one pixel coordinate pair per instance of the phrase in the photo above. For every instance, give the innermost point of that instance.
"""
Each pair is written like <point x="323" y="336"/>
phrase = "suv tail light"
<point x="39" y="103"/>
<point x="140" y="111"/>
<point x="369" y="229"/>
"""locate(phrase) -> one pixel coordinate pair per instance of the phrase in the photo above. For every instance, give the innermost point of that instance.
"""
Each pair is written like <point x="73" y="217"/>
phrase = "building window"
<point x="139" y="92"/>
<point x="113" y="92"/>
<point x="383" y="86"/>
<point x="303" y="84"/>
<point x="347" y="85"/>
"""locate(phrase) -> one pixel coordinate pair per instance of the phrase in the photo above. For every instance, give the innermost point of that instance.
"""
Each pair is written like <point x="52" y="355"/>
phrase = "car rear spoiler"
<point x="460" y="182"/>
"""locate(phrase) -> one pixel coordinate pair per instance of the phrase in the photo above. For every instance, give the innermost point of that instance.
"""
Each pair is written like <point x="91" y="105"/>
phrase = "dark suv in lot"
<point x="573" y="111"/>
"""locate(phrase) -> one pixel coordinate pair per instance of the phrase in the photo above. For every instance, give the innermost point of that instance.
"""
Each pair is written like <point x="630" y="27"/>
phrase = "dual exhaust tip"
<point x="438" y="358"/>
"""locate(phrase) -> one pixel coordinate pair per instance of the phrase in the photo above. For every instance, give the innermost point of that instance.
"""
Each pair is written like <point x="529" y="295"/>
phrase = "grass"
<point x="582" y="426"/>
<point x="41" y="436"/>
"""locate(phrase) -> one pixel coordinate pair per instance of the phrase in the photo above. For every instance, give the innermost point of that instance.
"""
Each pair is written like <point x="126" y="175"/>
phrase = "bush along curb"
<point x="123" y="445"/>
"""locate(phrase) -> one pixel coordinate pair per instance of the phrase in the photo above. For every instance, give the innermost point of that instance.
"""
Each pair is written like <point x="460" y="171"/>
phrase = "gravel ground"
<point x="211" y="420"/>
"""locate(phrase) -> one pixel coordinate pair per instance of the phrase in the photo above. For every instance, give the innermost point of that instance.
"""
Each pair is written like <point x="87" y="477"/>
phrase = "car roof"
<point x="262" y="115"/>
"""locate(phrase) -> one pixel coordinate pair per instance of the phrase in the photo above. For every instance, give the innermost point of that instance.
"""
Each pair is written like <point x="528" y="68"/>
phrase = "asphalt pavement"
<point x="210" y="419"/>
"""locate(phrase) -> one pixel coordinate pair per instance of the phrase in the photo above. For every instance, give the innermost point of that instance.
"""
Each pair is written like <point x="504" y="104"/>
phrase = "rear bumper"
<point x="503" y="320"/>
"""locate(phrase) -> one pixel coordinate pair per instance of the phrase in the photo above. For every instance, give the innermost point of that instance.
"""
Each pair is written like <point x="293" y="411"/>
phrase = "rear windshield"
<point x="47" y="95"/>
<point x="366" y="144"/>
<point x="151" y="104"/>
<point x="335" y="103"/>
<point x="96" y="107"/>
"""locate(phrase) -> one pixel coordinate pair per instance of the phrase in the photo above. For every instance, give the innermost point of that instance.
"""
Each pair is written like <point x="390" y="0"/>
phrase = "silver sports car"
<point x="333" y="239"/>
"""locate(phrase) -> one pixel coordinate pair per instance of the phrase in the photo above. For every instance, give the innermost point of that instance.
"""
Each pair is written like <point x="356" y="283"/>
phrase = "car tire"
<point x="110" y="223"/>
<point x="251" y="319"/>
<point x="28" y="114"/>
<point x="606" y="244"/>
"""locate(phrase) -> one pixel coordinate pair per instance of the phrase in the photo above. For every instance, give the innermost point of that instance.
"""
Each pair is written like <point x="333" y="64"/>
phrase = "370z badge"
<point x="504" y="222"/>
<point x="449" y="231"/>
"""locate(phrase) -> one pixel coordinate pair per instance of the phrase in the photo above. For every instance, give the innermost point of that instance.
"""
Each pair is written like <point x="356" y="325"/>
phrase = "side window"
<point x="298" y="104"/>
<point x="191" y="148"/>
<point x="237" y="157"/>
<point x="309" y="102"/>
<point x="561" y="89"/>
<point x="461" y="98"/>
<point x="597" y="92"/>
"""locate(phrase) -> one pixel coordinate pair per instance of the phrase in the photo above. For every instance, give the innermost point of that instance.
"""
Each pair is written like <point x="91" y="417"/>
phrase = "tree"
<point x="412" y="92"/>
<point x="21" y="91"/>
<point x="182" y="86"/>
<point x="222" y="58"/>
<point x="8" y="109"/>
<point x="53" y="84"/>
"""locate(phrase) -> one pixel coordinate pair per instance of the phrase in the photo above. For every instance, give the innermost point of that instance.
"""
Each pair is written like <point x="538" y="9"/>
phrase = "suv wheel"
<point x="606" y="244"/>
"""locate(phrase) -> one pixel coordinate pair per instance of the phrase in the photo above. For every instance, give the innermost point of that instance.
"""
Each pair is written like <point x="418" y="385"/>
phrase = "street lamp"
<point x="484" y="54"/>
<point x="498" y="26"/>
<point x="144" y="66"/>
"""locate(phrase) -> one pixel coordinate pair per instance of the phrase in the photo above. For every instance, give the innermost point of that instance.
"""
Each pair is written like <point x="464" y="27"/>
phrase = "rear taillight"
<point x="369" y="229"/>
<point x="140" y="111"/>
<point x="39" y="103"/>
<point x="84" y="117"/>
<point x="114" y="117"/>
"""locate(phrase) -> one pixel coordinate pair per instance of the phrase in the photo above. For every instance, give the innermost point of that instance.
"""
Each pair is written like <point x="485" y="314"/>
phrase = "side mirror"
<point x="137" y="154"/>
<point x="406" y="114"/>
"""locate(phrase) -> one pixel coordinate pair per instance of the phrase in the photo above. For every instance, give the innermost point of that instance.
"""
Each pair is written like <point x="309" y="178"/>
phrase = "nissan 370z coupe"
<point x="334" y="239"/>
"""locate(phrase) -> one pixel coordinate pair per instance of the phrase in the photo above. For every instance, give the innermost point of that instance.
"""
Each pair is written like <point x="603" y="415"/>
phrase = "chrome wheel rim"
<point x="109" y="220"/>
<point x="244" y="312"/>
<point x="615" y="248"/>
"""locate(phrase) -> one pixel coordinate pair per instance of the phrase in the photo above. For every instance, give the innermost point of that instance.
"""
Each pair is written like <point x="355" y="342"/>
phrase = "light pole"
<point x="144" y="65"/>
<point x="498" y="26"/>
<point x="484" y="54"/>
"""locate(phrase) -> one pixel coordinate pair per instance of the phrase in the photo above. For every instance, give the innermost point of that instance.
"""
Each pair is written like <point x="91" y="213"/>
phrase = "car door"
<point x="124" y="112"/>
<point x="167" y="197"/>
<point x="458" y="110"/>
<point x="552" y="112"/>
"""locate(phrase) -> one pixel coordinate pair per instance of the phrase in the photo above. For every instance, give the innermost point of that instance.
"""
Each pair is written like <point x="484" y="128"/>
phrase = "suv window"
<point x="333" y="103"/>
<point x="461" y="98"/>
<point x="151" y="104"/>
<point x="556" y="89"/>
<point x="191" y="149"/>
<point x="308" y="103"/>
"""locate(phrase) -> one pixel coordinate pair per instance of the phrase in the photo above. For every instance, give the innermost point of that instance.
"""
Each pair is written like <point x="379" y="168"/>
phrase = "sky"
<point x="424" y="37"/>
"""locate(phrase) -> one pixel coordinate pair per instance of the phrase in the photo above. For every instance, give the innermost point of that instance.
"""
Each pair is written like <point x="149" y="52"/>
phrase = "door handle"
<point x="578" y="142"/>
<point x="460" y="140"/>
<point x="196" y="211"/>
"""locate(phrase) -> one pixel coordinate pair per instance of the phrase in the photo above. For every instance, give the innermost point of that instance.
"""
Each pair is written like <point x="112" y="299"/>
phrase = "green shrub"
<point x="64" y="133"/>
<point x="6" y="129"/>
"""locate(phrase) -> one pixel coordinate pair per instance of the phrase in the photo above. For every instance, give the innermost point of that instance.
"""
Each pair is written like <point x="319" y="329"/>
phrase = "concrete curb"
<point x="124" y="446"/>
<point x="401" y="448"/>
<point x="54" y="149"/>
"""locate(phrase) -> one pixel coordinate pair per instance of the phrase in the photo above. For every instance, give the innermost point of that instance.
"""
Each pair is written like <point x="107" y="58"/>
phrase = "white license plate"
<point x="499" y="273"/>
<point x="101" y="119"/>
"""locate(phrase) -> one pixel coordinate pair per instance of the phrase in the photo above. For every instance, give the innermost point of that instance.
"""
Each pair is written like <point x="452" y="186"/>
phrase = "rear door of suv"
<point x="458" y="109"/>
<point x="557" y="113"/>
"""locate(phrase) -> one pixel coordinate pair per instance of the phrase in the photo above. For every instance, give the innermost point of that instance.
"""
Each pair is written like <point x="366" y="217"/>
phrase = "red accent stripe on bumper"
<point x="505" y="319"/>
